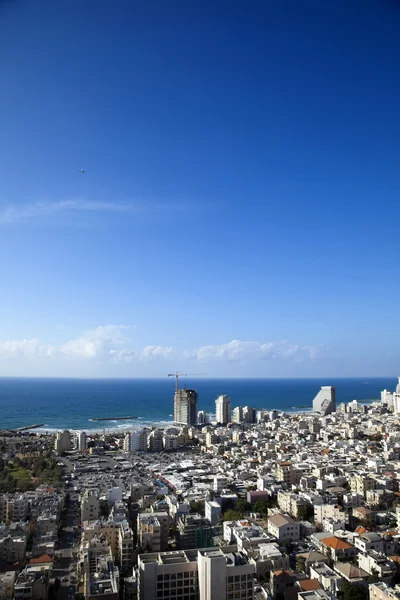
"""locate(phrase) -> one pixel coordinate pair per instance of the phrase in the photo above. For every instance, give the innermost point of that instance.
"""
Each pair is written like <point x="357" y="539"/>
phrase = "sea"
<point x="71" y="403"/>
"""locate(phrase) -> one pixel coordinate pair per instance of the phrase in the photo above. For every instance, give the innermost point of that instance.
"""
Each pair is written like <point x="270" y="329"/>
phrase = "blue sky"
<point x="239" y="214"/>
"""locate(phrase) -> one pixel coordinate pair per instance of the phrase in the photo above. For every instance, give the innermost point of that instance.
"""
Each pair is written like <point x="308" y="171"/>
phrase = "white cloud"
<point x="157" y="352"/>
<point x="96" y="344"/>
<point x="237" y="350"/>
<point x="105" y="343"/>
<point x="109" y="344"/>
<point x="14" y="213"/>
<point x="12" y="348"/>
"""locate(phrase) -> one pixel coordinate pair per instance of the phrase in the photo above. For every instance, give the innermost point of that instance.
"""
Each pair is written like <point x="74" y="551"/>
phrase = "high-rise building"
<point x="80" y="440"/>
<point x="127" y="442"/>
<point x="63" y="441"/>
<point x="185" y="407"/>
<point x="139" y="441"/>
<point x="203" y="418"/>
<point x="244" y="414"/>
<point x="223" y="410"/>
<point x="237" y="414"/>
<point x="155" y="441"/>
<point x="325" y="401"/>
<point x="249" y="414"/>
<point x="206" y="574"/>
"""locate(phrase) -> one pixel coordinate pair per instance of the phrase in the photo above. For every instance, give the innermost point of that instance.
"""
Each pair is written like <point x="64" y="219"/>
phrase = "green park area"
<point x="19" y="473"/>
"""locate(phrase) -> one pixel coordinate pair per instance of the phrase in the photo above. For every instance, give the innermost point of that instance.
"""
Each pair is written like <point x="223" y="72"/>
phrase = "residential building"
<point x="155" y="441"/>
<point x="223" y="410"/>
<point x="324" y="402"/>
<point x="7" y="582"/>
<point x="80" y="440"/>
<point x="185" y="407"/>
<point x="269" y="558"/>
<point x="377" y="563"/>
<point x="153" y="531"/>
<point x="383" y="591"/>
<point x="203" y="418"/>
<point x="280" y="581"/>
<point x="212" y="511"/>
<point x="101" y="575"/>
<point x="32" y="583"/>
<point x="360" y="484"/>
<point x="90" y="506"/>
<point x="139" y="441"/>
<point x="337" y="548"/>
<point x="283" y="528"/>
<point x="63" y="441"/>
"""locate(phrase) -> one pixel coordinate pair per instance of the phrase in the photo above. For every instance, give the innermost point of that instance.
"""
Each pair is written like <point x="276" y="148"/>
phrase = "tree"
<point x="305" y="512"/>
<point x="288" y="546"/>
<point x="300" y="563"/>
<point x="242" y="505"/>
<point x="231" y="515"/>
<point x="261" y="506"/>
<point x="329" y="556"/>
<point x="197" y="506"/>
<point x="374" y="577"/>
<point x="351" y="591"/>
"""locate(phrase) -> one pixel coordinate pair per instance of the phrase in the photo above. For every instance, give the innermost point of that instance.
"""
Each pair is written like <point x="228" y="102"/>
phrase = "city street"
<point x="65" y="568"/>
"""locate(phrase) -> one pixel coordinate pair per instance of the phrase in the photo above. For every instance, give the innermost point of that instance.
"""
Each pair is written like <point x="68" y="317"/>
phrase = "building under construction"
<point x="185" y="407"/>
<point x="193" y="531"/>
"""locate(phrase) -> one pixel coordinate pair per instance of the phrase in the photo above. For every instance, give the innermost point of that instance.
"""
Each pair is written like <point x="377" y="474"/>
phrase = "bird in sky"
<point x="82" y="171"/>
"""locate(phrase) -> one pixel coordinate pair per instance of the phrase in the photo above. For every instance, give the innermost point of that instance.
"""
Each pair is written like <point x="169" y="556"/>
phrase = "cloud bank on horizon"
<point x="110" y="344"/>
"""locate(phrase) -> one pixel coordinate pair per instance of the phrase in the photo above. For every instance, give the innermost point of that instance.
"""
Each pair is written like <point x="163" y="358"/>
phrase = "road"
<point x="65" y="568"/>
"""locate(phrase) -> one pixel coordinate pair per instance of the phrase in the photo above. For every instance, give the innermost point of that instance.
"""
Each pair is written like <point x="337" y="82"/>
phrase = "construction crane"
<point x="177" y="375"/>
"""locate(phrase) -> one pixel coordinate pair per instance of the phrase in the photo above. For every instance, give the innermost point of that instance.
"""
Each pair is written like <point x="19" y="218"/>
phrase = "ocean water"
<point x="71" y="403"/>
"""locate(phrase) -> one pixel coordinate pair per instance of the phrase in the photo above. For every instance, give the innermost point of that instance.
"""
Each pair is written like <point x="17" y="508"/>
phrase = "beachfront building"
<point x="324" y="402"/>
<point x="63" y="441"/>
<point x="80" y="440"/>
<point x="139" y="440"/>
<point x="185" y="407"/>
<point x="223" y="410"/>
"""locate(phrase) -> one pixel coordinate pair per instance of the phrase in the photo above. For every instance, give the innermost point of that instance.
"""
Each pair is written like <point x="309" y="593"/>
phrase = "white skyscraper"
<point x="81" y="440"/>
<point x="396" y="398"/>
<point x="387" y="398"/>
<point x="223" y="410"/>
<point x="325" y="401"/>
<point x="139" y="441"/>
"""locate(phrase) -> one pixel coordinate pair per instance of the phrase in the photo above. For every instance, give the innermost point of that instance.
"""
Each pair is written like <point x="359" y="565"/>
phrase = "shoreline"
<point x="161" y="423"/>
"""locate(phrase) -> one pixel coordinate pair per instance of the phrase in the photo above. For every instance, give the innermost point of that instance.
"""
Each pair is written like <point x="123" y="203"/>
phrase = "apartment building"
<point x="291" y="503"/>
<point x="383" y="591"/>
<point x="286" y="473"/>
<point x="212" y="511"/>
<point x="360" y="484"/>
<point x="377" y="563"/>
<point x="119" y="538"/>
<point x="12" y="544"/>
<point x="153" y="531"/>
<point x="283" y="528"/>
<point x="63" y="441"/>
<point x="204" y="574"/>
<point x="101" y="575"/>
<point x="7" y="582"/>
<point x="90" y="506"/>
